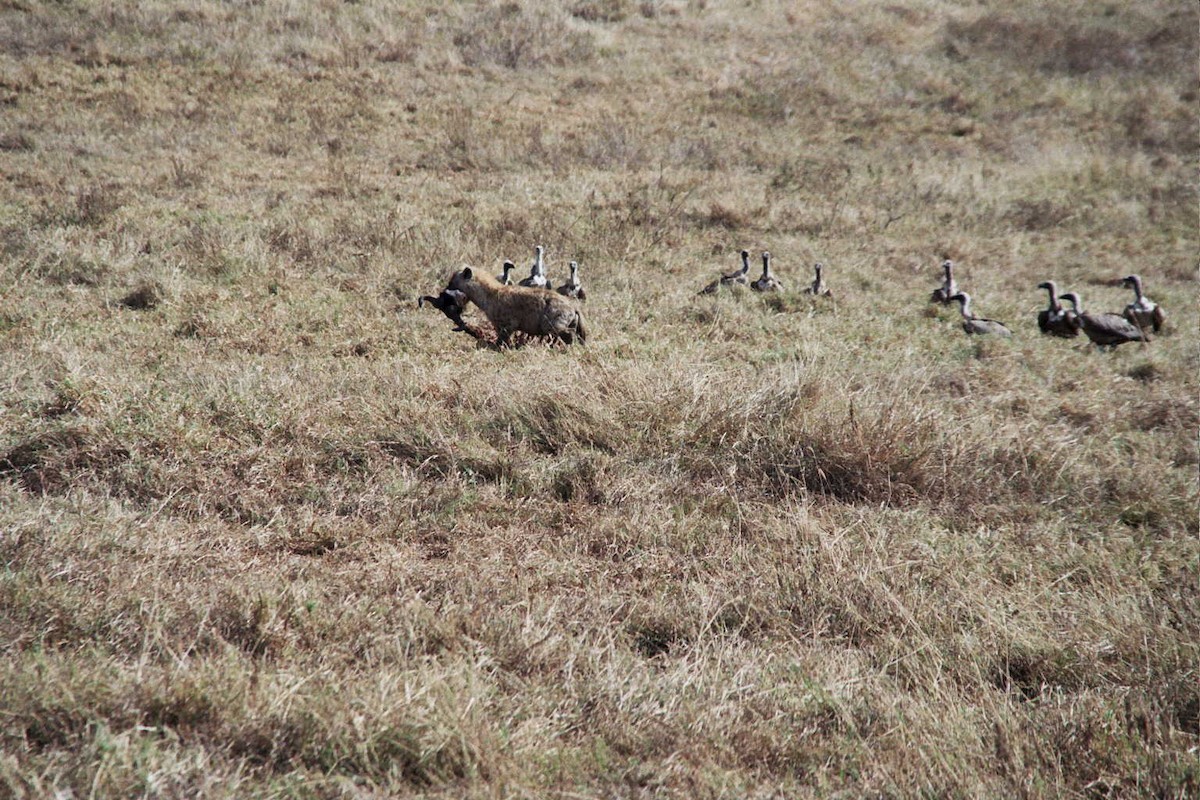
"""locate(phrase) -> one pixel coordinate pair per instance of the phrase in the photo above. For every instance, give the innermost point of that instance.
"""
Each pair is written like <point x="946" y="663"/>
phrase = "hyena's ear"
<point x="466" y="273"/>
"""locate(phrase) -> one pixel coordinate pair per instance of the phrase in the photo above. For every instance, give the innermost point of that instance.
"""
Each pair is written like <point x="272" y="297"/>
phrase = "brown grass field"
<point x="267" y="529"/>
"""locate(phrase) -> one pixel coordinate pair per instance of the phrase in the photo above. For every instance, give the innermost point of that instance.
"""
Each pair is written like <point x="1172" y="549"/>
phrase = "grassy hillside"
<point x="268" y="529"/>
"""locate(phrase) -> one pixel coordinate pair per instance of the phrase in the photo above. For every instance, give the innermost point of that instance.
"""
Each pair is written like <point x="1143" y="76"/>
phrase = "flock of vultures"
<point x="534" y="308"/>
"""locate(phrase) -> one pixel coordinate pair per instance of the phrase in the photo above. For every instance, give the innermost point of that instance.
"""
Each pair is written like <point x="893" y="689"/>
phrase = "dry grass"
<point x="268" y="530"/>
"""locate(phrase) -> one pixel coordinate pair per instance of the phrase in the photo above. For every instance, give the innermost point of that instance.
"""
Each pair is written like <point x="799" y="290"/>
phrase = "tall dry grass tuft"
<point x="53" y="461"/>
<point x="515" y="35"/>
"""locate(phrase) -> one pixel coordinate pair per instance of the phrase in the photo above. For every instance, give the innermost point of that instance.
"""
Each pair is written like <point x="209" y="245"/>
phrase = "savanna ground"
<point x="267" y="529"/>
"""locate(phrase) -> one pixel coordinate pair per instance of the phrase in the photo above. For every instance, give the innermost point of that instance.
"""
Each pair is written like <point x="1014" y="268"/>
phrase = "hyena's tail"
<point x="580" y="328"/>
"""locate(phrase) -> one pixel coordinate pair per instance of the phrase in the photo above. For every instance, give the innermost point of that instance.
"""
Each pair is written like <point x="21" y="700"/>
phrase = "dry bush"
<point x="601" y="10"/>
<point x="16" y="141"/>
<point x="878" y="464"/>
<point x="721" y="216"/>
<point x="90" y="205"/>
<point x="186" y="175"/>
<point x="516" y="36"/>
<point x="71" y="269"/>
<point x="1050" y="43"/>
<point x="401" y="48"/>
<point x="196" y="326"/>
<point x="207" y="246"/>
<point x="55" y="461"/>
<point x="295" y="241"/>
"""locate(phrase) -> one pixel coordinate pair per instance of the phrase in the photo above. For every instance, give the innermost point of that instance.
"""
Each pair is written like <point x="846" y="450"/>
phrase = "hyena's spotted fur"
<point x="535" y="312"/>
